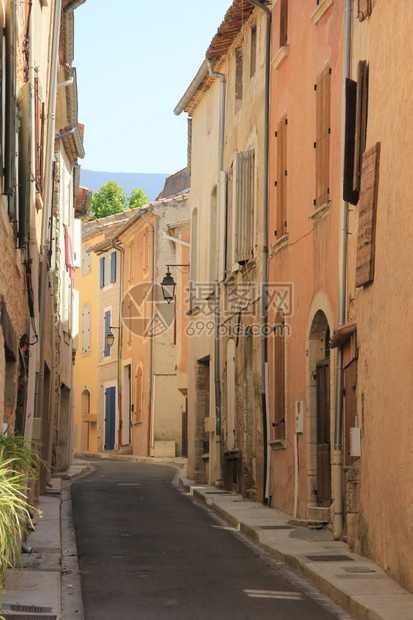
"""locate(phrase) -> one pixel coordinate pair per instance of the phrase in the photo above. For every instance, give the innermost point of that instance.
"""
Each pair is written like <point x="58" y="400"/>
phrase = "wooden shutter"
<point x="283" y="22"/>
<point x="279" y="378"/>
<point x="25" y="162"/>
<point x="244" y="214"/>
<point x="113" y="267"/>
<point x="364" y="9"/>
<point x="350" y="410"/>
<point x="10" y="100"/>
<point x="281" y="178"/>
<point x="102" y="272"/>
<point x="139" y="394"/>
<point x="86" y="330"/>
<point x="361" y="122"/>
<point x="106" y="349"/>
<point x="39" y="135"/>
<point x="323" y="97"/>
<point x="367" y="215"/>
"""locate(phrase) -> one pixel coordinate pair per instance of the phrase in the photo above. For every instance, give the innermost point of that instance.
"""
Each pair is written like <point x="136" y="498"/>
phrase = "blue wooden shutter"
<point x="113" y="267"/>
<point x="106" y="350"/>
<point x="102" y="272"/>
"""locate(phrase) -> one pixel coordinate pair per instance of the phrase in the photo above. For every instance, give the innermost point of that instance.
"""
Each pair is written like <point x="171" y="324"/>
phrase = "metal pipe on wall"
<point x="337" y="465"/>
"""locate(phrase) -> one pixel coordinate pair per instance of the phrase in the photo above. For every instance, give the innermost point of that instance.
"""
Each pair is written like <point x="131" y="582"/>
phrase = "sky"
<point x="134" y="61"/>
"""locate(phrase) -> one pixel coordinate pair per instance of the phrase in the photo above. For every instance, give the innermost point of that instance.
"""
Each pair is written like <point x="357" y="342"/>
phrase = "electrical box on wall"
<point x="355" y="441"/>
<point x="299" y="415"/>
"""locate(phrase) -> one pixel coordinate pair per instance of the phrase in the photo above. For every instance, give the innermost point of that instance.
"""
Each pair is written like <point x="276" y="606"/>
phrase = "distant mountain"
<point x="151" y="183"/>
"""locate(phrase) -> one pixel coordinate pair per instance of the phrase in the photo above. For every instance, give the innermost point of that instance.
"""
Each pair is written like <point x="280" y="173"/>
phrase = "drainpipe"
<point x="120" y="249"/>
<point x="50" y="137"/>
<point x="337" y="471"/>
<point x="264" y="309"/>
<point x="150" y="415"/>
<point x="218" y="465"/>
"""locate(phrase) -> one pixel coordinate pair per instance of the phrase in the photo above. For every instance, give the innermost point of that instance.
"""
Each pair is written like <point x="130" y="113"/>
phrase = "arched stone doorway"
<point x="320" y="401"/>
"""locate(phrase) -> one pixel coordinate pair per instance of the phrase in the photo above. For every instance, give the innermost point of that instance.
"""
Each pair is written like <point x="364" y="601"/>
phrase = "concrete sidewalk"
<point x="358" y="585"/>
<point x="49" y="586"/>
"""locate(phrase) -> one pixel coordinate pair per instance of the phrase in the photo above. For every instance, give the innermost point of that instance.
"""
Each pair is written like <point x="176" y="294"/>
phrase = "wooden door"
<point x="323" y="433"/>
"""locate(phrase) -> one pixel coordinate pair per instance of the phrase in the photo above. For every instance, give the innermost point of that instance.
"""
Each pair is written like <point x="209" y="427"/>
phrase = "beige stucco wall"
<point x="383" y="309"/>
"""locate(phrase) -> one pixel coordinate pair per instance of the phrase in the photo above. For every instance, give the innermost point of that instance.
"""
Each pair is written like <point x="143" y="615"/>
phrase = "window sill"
<point x="278" y="444"/>
<point x="279" y="245"/>
<point x="321" y="212"/>
<point x="320" y="10"/>
<point x="279" y="57"/>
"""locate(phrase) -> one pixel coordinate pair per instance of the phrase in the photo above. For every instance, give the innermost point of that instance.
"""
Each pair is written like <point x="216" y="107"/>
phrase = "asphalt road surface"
<point x="148" y="552"/>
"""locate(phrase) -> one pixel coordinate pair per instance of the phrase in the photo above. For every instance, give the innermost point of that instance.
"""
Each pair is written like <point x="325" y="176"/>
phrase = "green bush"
<point x="19" y="461"/>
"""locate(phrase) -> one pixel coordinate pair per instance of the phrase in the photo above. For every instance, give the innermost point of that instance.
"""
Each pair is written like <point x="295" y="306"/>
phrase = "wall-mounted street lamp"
<point x="168" y="284"/>
<point x="110" y="336"/>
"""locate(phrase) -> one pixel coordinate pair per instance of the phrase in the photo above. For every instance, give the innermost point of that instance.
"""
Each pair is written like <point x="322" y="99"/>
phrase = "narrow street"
<point x="146" y="551"/>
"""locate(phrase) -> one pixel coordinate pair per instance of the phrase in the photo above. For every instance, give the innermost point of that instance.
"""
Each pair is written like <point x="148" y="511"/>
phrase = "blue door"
<point x="110" y="412"/>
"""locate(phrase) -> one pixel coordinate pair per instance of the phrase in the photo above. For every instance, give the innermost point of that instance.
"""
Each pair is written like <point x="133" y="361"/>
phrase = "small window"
<point x="283" y="23"/>
<point x="322" y="144"/>
<point x="106" y="349"/>
<point x="239" y="68"/>
<point x="243" y="208"/>
<point x="85" y="260"/>
<point x="102" y="272"/>
<point x="253" y="57"/>
<point x="281" y="177"/>
<point x="279" y="377"/>
<point x="113" y="267"/>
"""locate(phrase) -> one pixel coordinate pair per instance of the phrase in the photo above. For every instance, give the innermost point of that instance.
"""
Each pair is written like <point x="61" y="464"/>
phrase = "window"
<point x="253" y="56"/>
<point x="194" y="258"/>
<point x="283" y="23"/>
<point x="243" y="207"/>
<point x="131" y="247"/>
<point x="39" y="136"/>
<point x="356" y="132"/>
<point x="213" y="237"/>
<point x="146" y="247"/>
<point x="322" y="144"/>
<point x="113" y="267"/>
<point x="281" y="182"/>
<point x="279" y="378"/>
<point x="239" y="67"/>
<point x="106" y="349"/>
<point x="367" y="215"/>
<point x="139" y="394"/>
<point x="85" y="260"/>
<point x="364" y="9"/>
<point x="102" y="272"/>
<point x="86" y="330"/>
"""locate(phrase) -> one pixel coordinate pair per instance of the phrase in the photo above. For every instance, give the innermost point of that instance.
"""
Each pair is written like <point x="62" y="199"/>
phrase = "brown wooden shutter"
<point x="367" y="215"/>
<point x="39" y="135"/>
<point x="364" y="9"/>
<point x="245" y="166"/>
<point x="282" y="177"/>
<point x="279" y="378"/>
<point x="361" y="122"/>
<point x="323" y="97"/>
<point x="350" y="410"/>
<point x="10" y="100"/>
<point x="283" y="22"/>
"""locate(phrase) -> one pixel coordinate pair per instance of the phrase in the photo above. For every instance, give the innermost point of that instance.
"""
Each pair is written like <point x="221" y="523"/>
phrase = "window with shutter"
<point x="322" y="144"/>
<point x="39" y="135"/>
<point x="253" y="55"/>
<point x="364" y="9"/>
<point x="243" y="208"/>
<point x="283" y="23"/>
<point x="102" y="272"/>
<point x="10" y="106"/>
<point x="86" y="330"/>
<point x="281" y="177"/>
<point x="139" y="394"/>
<point x="106" y="349"/>
<point x="356" y="132"/>
<point x="239" y="68"/>
<point x="367" y="215"/>
<point x="113" y="267"/>
<point x="279" y="378"/>
<point x="85" y="260"/>
<point x="146" y="246"/>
